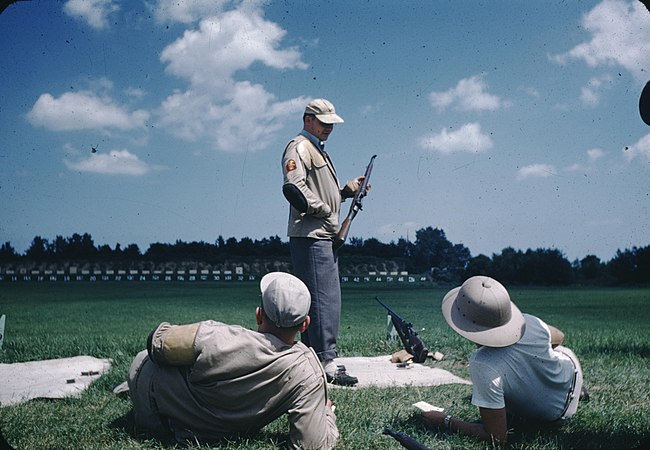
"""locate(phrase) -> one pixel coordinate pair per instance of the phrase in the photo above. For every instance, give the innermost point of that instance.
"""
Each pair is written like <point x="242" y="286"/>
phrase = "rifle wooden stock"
<point x="355" y="207"/>
<point x="342" y="235"/>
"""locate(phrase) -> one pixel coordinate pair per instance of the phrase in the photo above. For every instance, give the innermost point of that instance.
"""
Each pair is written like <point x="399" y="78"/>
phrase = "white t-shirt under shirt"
<point x="528" y="378"/>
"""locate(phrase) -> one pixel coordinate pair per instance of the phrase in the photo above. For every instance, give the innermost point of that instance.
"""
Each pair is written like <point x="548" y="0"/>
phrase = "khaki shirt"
<point x="313" y="173"/>
<point x="240" y="381"/>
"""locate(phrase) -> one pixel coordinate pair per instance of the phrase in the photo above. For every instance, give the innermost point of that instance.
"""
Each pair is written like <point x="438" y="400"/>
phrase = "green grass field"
<point x="607" y="328"/>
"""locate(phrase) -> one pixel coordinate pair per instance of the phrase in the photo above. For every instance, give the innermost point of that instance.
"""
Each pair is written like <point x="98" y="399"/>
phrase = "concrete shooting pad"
<point x="52" y="378"/>
<point x="380" y="372"/>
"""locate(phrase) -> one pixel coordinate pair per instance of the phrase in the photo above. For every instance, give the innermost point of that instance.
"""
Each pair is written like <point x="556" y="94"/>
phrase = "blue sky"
<point x="505" y="123"/>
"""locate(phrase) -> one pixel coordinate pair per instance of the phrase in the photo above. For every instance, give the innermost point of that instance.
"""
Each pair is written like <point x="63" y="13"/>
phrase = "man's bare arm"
<point x="493" y="426"/>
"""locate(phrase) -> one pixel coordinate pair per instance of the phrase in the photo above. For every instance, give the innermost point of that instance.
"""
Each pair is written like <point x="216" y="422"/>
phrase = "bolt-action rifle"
<point x="355" y="207"/>
<point x="406" y="440"/>
<point x="412" y="343"/>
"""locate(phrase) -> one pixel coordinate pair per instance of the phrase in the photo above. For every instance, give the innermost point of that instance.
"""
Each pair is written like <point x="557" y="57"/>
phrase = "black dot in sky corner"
<point x="314" y="78"/>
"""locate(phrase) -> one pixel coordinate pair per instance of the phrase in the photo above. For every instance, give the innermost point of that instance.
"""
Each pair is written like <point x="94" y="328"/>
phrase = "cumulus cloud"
<point x="620" y="36"/>
<point x="470" y="94"/>
<point x="640" y="149"/>
<point x="225" y="44"/>
<point x="243" y="123"/>
<point x="94" y="12"/>
<point x="83" y="110"/>
<point x="590" y="95"/>
<point x="170" y="11"/>
<point x="232" y="115"/>
<point x="468" y="138"/>
<point x="536" y="171"/>
<point x="593" y="155"/>
<point x="116" y="162"/>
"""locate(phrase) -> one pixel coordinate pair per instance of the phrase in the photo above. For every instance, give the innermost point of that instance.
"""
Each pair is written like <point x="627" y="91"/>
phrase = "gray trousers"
<point x="315" y="263"/>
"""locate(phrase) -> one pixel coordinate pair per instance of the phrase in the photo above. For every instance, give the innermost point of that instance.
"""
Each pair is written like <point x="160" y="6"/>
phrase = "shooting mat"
<point x="379" y="371"/>
<point x="53" y="378"/>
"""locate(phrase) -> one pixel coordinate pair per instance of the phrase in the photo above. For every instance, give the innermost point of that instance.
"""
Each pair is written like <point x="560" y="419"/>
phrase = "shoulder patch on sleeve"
<point x="291" y="165"/>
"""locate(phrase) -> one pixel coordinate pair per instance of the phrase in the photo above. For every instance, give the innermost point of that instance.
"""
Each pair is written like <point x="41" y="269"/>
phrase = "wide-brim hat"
<point x="323" y="110"/>
<point x="285" y="299"/>
<point x="481" y="310"/>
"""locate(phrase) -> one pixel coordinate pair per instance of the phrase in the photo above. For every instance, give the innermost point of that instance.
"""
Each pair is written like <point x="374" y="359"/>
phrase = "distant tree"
<point x="643" y="264"/>
<point x="104" y="252"/>
<point x="246" y="247"/>
<point x="272" y="247"/>
<point x="546" y="267"/>
<point x="79" y="247"/>
<point x="230" y="247"/>
<point x="132" y="253"/>
<point x="38" y="250"/>
<point x="590" y="269"/>
<point x="631" y="266"/>
<point x="479" y="265"/>
<point x="8" y="253"/>
<point x="434" y="253"/>
<point x="507" y="266"/>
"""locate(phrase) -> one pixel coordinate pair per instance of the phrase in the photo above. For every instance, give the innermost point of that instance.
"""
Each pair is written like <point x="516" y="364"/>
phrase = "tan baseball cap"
<point x="323" y="110"/>
<point x="481" y="310"/>
<point x="285" y="299"/>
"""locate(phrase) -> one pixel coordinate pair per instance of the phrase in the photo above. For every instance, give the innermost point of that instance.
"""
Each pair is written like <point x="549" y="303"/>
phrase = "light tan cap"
<point x="285" y="299"/>
<point x="481" y="311"/>
<point x="323" y="110"/>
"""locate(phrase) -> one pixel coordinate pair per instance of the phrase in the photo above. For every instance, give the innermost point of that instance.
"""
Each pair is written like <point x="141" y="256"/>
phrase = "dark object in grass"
<point x="4" y="445"/>
<point x="406" y="440"/>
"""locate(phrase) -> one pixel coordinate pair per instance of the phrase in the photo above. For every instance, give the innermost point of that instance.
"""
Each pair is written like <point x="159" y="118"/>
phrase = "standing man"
<point x="520" y="370"/>
<point x="208" y="380"/>
<point x="312" y="189"/>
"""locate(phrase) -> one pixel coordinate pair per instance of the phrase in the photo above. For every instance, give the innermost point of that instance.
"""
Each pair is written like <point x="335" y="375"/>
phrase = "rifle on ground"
<point x="412" y="343"/>
<point x="406" y="440"/>
<point x="355" y="207"/>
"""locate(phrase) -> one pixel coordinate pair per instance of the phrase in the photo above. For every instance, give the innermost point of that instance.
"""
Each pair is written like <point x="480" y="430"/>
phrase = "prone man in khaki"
<point x="208" y="380"/>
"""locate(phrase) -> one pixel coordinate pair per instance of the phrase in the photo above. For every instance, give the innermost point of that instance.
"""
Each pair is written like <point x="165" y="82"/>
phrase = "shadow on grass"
<point x="126" y="424"/>
<point x="537" y="436"/>
<point x="578" y="439"/>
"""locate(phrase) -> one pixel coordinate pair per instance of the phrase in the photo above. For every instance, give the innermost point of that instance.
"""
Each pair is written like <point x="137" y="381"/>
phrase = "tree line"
<point x="431" y="253"/>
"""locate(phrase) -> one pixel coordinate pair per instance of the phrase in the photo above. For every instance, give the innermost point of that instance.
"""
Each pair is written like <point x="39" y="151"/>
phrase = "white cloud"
<point x="470" y="94"/>
<point x="640" y="149"/>
<point x="191" y="11"/>
<point x="536" y="171"/>
<point x="595" y="153"/>
<point x="82" y="111"/>
<point x="94" y="12"/>
<point x="590" y="95"/>
<point x="243" y="123"/>
<point x="210" y="55"/>
<point x="232" y="115"/>
<point x="592" y="155"/>
<point x="467" y="138"/>
<point x="116" y="162"/>
<point x="620" y="36"/>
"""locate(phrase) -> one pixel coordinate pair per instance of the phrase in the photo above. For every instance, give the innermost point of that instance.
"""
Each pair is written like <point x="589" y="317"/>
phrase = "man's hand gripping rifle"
<point x="355" y="207"/>
<point x="412" y="343"/>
